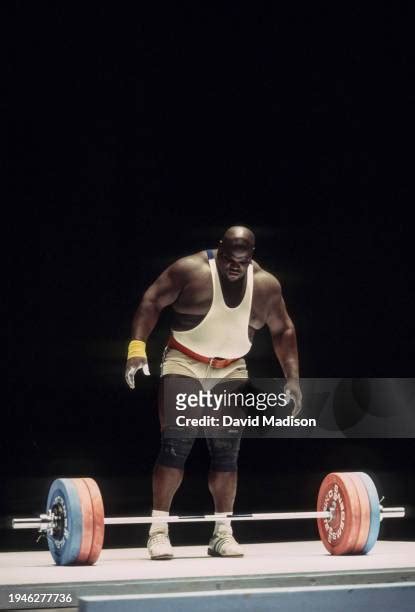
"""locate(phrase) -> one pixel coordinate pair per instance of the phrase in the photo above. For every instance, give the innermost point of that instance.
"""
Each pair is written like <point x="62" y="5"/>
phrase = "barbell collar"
<point x="43" y="522"/>
<point x="392" y="512"/>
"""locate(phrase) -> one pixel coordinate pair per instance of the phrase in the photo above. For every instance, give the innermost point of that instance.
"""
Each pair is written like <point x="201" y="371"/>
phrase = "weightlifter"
<point x="219" y="298"/>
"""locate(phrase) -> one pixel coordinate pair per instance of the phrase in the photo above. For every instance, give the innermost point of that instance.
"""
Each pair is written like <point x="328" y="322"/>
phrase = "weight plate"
<point x="365" y="512"/>
<point x="374" y="512"/>
<point x="339" y="535"/>
<point x="87" y="520"/>
<point x="66" y="540"/>
<point x="98" y="520"/>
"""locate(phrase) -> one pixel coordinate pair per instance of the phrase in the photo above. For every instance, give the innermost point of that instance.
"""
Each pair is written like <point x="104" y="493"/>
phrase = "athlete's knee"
<point x="224" y="454"/>
<point x="174" y="451"/>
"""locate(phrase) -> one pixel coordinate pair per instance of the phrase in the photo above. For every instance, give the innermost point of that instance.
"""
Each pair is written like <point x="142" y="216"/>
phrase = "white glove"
<point x="132" y="368"/>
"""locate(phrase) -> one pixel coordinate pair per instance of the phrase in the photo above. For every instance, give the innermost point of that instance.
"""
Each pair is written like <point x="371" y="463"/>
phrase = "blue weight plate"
<point x="65" y="542"/>
<point x="374" y="512"/>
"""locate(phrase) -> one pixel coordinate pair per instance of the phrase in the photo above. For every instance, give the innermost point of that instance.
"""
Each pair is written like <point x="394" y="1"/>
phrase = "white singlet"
<point x="224" y="331"/>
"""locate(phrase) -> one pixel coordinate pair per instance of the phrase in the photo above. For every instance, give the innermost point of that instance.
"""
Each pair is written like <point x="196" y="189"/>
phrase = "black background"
<point x="138" y="135"/>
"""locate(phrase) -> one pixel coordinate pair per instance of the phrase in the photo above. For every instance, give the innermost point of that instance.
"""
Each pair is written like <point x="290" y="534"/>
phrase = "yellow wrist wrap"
<point x="136" y="348"/>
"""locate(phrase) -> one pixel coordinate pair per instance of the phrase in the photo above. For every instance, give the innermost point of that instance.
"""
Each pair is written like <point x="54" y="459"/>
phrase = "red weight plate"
<point x="99" y="525"/>
<point x="339" y="535"/>
<point x="364" y="513"/>
<point x="87" y="519"/>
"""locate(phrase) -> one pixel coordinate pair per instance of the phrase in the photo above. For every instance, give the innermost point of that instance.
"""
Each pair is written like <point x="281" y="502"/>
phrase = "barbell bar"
<point x="348" y="517"/>
<point x="45" y="521"/>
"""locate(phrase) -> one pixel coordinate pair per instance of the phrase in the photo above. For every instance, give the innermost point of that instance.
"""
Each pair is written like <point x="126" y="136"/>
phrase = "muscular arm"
<point x="282" y="332"/>
<point x="284" y="342"/>
<point x="163" y="292"/>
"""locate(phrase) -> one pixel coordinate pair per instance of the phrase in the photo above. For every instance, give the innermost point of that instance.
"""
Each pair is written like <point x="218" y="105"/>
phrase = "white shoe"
<point x="159" y="546"/>
<point x="223" y="544"/>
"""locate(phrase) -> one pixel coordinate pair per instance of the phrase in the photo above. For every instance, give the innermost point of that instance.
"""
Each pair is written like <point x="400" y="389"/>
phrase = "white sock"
<point x="224" y="524"/>
<point x="159" y="527"/>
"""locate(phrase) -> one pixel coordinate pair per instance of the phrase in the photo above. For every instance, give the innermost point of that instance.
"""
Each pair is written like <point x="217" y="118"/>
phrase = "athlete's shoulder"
<point x="265" y="280"/>
<point x="189" y="263"/>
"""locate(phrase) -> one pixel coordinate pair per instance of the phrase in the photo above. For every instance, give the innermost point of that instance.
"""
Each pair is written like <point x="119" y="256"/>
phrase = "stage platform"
<point x="266" y="570"/>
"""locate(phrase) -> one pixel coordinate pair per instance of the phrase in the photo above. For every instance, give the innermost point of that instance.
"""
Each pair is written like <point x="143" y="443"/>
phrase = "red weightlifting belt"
<point x="215" y="362"/>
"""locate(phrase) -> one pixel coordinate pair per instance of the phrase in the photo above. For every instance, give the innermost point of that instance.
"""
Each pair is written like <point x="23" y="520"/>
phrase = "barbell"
<point x="348" y="517"/>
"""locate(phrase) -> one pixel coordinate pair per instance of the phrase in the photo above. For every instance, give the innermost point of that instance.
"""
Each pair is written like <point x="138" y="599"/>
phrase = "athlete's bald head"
<point x="238" y="238"/>
<point x="235" y="251"/>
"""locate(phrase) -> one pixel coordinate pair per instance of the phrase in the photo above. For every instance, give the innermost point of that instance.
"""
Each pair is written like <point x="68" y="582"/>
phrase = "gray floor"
<point x="128" y="571"/>
<point x="191" y="561"/>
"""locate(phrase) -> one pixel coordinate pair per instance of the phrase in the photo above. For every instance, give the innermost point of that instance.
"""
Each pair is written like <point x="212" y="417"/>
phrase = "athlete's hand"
<point x="293" y="391"/>
<point x="133" y="365"/>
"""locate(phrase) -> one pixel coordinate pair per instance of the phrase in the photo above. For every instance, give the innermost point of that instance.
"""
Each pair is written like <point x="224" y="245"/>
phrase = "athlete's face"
<point x="233" y="264"/>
